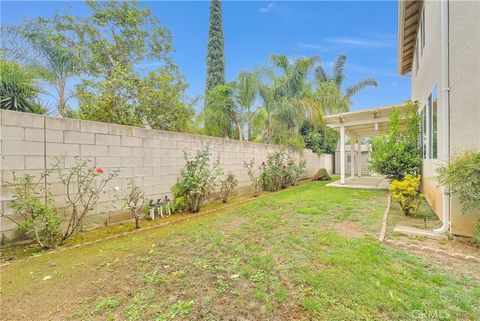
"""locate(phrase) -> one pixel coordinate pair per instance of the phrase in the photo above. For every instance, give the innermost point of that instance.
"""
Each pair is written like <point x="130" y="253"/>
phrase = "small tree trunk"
<point x="137" y="225"/>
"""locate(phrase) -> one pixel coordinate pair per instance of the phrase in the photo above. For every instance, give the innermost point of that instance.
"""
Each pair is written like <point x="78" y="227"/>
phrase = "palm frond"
<point x="350" y="91"/>
<point x="246" y="89"/>
<point x="320" y="74"/>
<point x="338" y="70"/>
<point x="41" y="109"/>
<point x="280" y="61"/>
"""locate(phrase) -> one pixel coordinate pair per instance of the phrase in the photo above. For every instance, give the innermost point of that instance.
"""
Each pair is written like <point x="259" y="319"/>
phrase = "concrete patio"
<point x="369" y="182"/>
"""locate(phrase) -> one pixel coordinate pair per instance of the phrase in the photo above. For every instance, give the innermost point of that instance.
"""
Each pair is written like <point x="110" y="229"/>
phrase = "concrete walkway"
<point x="369" y="182"/>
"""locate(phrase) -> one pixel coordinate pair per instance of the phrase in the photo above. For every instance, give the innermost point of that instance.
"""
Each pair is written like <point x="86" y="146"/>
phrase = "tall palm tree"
<point x="246" y="89"/>
<point x="329" y="87"/>
<point x="288" y="99"/>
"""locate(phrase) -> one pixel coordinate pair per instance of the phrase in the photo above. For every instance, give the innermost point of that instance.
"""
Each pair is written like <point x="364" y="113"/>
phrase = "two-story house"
<point x="439" y="48"/>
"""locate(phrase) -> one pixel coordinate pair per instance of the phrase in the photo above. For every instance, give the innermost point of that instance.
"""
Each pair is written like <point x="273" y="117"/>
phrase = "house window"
<point x="433" y="123"/>
<point x="423" y="133"/>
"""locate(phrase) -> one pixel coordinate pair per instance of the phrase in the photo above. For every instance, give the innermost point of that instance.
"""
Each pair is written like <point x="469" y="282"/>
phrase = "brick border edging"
<point x="426" y="249"/>
<point x="383" y="229"/>
<point x="187" y="218"/>
<point x="414" y="247"/>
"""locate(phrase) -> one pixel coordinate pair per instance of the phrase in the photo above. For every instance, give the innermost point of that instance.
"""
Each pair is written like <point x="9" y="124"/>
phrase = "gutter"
<point x="446" y="112"/>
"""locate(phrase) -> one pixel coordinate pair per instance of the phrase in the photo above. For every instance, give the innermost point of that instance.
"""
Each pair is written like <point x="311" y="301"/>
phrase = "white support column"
<point x="352" y="157"/>
<point x="359" y="158"/>
<point x="342" y="155"/>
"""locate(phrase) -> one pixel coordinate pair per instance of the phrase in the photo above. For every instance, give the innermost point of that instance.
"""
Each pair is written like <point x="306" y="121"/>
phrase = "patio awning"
<point x="359" y="124"/>
<point x="363" y="123"/>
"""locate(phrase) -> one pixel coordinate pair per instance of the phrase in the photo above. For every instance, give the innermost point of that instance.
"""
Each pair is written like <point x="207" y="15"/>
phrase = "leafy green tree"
<point x="112" y="99"/>
<point x="396" y="153"/>
<point x="110" y="43"/>
<point x="321" y="140"/>
<point x="329" y="87"/>
<point x="114" y="33"/>
<point x="160" y="100"/>
<point x="215" y="48"/>
<point x="220" y="116"/>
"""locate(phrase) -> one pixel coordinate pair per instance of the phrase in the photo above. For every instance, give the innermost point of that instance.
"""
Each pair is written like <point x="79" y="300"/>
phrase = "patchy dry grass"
<point x="305" y="253"/>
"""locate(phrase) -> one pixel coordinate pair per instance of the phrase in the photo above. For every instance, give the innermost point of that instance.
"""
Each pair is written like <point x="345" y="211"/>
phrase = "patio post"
<point x="342" y="155"/>
<point x="359" y="158"/>
<point x="352" y="157"/>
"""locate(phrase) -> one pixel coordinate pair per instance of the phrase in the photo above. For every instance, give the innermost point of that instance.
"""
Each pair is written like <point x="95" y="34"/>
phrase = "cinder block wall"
<point x="29" y="144"/>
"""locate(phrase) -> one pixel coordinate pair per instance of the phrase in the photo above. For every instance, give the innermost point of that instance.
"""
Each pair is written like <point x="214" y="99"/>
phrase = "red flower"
<point x="100" y="171"/>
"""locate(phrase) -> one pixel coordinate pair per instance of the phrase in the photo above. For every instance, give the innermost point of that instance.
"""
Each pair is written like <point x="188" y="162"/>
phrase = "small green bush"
<point x="321" y="175"/>
<point x="462" y="175"/>
<point x="227" y="185"/>
<point x="84" y="183"/>
<point x="280" y="171"/>
<point x="255" y="178"/>
<point x="406" y="193"/>
<point x="197" y="180"/>
<point x="32" y="202"/>
<point x="134" y="200"/>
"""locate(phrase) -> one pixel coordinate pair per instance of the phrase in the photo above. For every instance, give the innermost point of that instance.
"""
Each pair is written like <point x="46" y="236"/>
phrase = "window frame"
<point x="433" y="122"/>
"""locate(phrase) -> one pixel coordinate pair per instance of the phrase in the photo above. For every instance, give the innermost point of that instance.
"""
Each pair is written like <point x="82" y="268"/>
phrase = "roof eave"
<point x="408" y="18"/>
<point x="401" y="23"/>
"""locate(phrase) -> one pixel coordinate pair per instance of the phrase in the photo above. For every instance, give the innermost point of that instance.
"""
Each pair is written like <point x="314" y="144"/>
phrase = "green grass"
<point x="306" y="253"/>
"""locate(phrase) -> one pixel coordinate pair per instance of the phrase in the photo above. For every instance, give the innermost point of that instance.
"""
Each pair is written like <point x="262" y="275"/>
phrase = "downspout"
<point x="446" y="112"/>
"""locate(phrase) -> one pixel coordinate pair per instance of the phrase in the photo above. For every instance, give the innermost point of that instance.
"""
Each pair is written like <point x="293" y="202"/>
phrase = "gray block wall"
<point x="30" y="142"/>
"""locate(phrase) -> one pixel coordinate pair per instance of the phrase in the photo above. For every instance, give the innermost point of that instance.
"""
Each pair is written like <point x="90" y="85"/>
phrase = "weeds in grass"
<point x="203" y="264"/>
<point x="106" y="304"/>
<point x="222" y="287"/>
<point x="181" y="308"/>
<point x="154" y="278"/>
<point x="145" y="259"/>
<point x="79" y="313"/>
<point x="136" y="308"/>
<point x="258" y="277"/>
<point x="281" y="294"/>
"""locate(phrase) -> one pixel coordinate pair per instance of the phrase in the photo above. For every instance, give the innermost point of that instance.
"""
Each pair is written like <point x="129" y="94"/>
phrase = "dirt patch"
<point x="349" y="229"/>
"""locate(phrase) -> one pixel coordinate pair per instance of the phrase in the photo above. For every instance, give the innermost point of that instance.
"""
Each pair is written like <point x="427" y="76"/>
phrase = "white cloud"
<point x="273" y="8"/>
<point x="270" y="7"/>
<point x="361" y="42"/>
<point x="313" y="46"/>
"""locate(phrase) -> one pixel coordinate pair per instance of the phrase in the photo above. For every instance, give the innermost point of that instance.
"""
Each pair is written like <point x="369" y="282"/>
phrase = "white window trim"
<point x="430" y="121"/>
<point x="428" y="138"/>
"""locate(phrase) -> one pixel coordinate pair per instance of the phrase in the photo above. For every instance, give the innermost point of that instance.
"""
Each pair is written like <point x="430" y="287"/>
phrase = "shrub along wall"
<point x="29" y="144"/>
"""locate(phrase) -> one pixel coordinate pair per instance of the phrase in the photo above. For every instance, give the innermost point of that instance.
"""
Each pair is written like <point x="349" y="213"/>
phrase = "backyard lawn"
<point x="306" y="253"/>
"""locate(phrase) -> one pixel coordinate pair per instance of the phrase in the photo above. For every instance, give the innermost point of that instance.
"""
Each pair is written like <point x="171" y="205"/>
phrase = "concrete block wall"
<point x="30" y="143"/>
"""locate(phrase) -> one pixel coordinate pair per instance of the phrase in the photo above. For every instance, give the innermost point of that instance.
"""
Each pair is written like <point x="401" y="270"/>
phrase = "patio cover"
<point x="356" y="125"/>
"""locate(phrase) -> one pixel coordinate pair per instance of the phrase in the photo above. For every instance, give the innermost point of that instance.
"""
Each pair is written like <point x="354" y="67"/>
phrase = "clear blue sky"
<point x="365" y="31"/>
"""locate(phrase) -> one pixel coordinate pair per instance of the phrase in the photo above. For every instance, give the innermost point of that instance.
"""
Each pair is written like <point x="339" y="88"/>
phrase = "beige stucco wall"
<point x="464" y="93"/>
<point x="153" y="157"/>
<point x="464" y="51"/>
